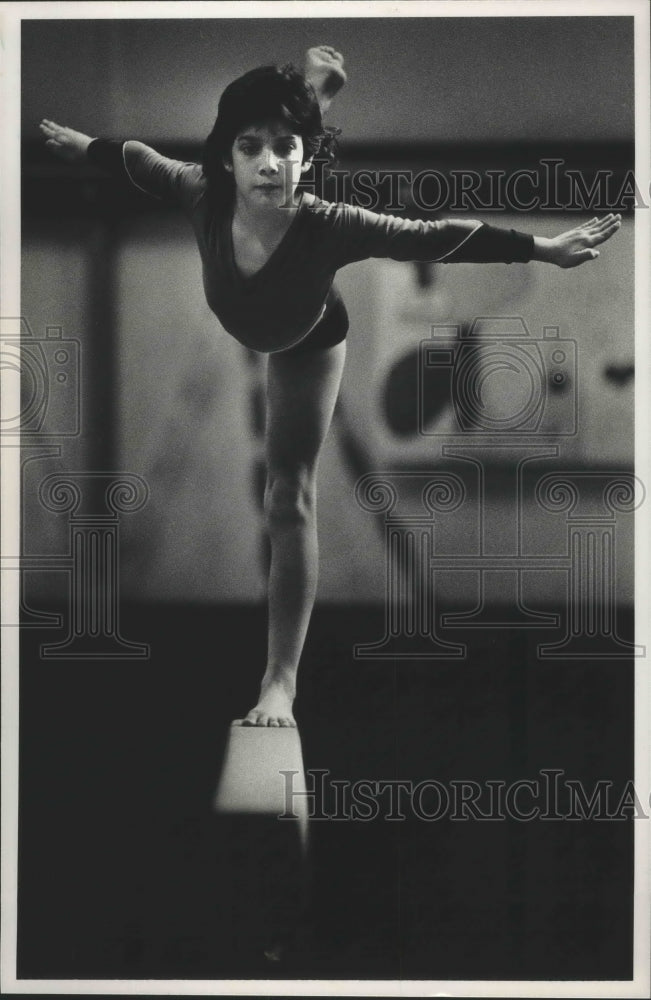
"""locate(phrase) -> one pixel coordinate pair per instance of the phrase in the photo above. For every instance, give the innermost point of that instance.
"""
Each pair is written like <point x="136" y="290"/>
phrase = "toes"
<point x="254" y="719"/>
<point x="257" y="717"/>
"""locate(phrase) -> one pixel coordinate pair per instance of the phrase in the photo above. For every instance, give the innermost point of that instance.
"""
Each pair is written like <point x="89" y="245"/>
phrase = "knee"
<point x="290" y="499"/>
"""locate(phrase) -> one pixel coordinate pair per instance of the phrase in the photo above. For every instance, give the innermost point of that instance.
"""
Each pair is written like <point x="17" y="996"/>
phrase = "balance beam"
<point x="252" y="779"/>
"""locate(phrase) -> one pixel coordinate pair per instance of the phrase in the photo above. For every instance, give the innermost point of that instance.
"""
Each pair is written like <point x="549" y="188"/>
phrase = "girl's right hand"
<point x="65" y="142"/>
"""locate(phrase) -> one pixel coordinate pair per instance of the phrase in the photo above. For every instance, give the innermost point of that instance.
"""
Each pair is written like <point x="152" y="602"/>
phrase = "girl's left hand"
<point x="576" y="246"/>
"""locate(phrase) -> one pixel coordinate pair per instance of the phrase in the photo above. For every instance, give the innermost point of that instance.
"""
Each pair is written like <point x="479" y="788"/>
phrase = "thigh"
<point x="301" y="394"/>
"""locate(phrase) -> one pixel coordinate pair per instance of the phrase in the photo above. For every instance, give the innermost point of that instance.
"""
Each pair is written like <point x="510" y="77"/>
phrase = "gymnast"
<point x="269" y="253"/>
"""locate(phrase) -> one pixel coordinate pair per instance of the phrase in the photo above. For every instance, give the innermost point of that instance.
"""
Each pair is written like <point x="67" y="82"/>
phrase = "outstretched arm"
<point x="576" y="246"/>
<point x="65" y="142"/>
<point x="131" y="161"/>
<point x="364" y="234"/>
<point x="324" y="69"/>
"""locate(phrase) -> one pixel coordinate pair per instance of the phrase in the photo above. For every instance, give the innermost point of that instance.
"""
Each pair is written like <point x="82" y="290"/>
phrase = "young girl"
<point x="269" y="254"/>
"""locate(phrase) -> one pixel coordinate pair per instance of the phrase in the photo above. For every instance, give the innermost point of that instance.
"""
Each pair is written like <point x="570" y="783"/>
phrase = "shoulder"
<point x="329" y="214"/>
<point x="141" y="158"/>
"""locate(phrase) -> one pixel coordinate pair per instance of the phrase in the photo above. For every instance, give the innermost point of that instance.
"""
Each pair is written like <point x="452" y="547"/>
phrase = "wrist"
<point x="544" y="250"/>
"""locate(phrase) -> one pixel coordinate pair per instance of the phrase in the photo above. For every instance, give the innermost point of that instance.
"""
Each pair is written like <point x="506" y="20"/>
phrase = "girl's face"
<point x="267" y="163"/>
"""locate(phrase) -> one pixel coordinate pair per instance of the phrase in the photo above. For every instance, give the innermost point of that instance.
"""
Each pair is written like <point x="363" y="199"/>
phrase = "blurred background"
<point x="123" y="871"/>
<point x="168" y="395"/>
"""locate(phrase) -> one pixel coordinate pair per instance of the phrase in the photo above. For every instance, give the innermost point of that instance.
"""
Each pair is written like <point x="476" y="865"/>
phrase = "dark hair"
<point x="262" y="95"/>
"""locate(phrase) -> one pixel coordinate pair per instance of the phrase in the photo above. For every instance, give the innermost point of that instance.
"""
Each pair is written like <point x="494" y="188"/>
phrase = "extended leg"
<point x="301" y="395"/>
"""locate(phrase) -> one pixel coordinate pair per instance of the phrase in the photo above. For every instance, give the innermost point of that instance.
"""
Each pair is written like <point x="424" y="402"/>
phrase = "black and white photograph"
<point x="325" y="487"/>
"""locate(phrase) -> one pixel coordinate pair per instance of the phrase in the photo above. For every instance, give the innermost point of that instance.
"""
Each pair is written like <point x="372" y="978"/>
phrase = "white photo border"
<point x="11" y="16"/>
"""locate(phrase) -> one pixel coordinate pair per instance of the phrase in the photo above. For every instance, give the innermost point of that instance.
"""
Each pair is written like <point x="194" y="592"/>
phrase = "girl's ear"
<point x="306" y="165"/>
<point x="228" y="165"/>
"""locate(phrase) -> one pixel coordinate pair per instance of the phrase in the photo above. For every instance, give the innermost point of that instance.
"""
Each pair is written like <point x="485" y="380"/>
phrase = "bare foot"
<point x="274" y="707"/>
<point x="324" y="69"/>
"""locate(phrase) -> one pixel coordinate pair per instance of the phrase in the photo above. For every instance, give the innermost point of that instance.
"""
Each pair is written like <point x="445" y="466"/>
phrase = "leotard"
<point x="292" y="294"/>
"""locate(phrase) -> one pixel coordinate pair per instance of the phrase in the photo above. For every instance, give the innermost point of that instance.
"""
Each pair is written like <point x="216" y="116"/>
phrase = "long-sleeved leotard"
<point x="277" y="306"/>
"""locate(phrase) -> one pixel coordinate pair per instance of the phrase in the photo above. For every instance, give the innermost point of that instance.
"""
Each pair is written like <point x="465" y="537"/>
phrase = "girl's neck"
<point x="268" y="220"/>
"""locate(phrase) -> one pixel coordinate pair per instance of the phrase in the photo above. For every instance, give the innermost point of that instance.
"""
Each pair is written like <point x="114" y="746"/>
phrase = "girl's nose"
<point x="269" y="162"/>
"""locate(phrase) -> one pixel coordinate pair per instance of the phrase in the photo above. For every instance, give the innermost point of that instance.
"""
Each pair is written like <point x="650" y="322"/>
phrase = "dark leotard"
<point x="290" y="302"/>
<point x="331" y="329"/>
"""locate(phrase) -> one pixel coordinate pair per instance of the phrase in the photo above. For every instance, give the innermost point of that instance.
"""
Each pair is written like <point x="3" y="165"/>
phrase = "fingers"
<point x="577" y="245"/>
<point x="55" y="138"/>
<point x="602" y="231"/>
<point x="608" y="220"/>
<point x="596" y="225"/>
<point x="583" y="256"/>
<point x="597" y="231"/>
<point x="605" y="233"/>
<point x="47" y="126"/>
<point x="53" y="131"/>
